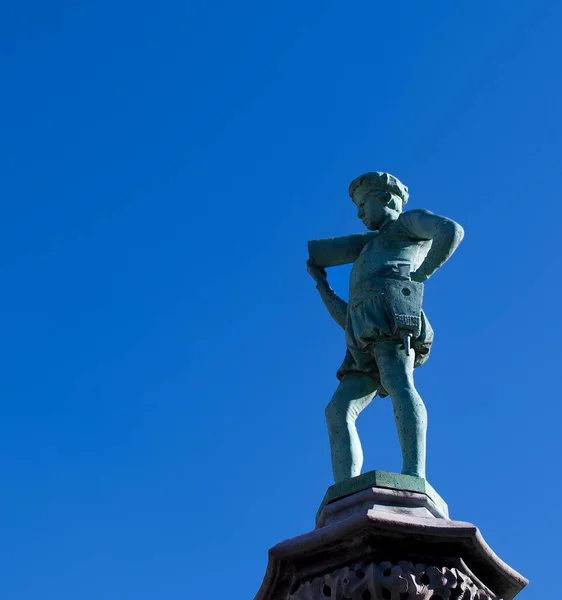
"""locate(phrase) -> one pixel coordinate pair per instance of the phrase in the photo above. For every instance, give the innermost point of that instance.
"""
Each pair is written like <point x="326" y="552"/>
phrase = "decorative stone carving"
<point x="387" y="543"/>
<point x="392" y="581"/>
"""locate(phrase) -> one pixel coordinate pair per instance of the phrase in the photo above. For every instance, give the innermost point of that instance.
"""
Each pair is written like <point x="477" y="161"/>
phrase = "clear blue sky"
<point x="165" y="358"/>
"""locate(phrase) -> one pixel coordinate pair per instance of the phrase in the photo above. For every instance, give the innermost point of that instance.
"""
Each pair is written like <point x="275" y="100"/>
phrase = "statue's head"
<point x="378" y="196"/>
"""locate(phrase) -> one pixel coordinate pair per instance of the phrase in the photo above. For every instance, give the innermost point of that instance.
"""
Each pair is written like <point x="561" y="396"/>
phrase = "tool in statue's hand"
<point x="406" y="341"/>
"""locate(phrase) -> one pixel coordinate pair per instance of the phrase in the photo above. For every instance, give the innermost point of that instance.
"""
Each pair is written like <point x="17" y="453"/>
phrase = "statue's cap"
<point x="381" y="181"/>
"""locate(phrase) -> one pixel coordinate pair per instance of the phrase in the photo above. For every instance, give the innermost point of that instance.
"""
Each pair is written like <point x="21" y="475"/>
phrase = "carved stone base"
<point x="387" y="543"/>
<point x="392" y="581"/>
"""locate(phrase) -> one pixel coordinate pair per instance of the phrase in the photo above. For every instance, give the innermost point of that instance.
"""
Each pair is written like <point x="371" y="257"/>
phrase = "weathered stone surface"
<point x="384" y="479"/>
<point x="381" y="500"/>
<point x="393" y="581"/>
<point x="397" y="540"/>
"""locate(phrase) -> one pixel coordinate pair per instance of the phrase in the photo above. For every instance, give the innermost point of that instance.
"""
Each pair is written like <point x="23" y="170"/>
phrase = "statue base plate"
<point x="409" y="491"/>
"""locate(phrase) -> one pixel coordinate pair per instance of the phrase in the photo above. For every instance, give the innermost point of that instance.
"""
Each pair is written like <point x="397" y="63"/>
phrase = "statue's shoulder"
<point x="414" y="213"/>
<point x="410" y="217"/>
<point x="408" y="221"/>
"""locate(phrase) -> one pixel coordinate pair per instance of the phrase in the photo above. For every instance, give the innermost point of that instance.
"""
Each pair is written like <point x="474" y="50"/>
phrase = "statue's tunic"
<point x="393" y="251"/>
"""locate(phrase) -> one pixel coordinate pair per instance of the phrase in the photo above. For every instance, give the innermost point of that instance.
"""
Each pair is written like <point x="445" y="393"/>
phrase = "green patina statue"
<point x="387" y="333"/>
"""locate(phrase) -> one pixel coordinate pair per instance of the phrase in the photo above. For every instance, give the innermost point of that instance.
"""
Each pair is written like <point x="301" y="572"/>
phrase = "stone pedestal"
<point x="384" y="536"/>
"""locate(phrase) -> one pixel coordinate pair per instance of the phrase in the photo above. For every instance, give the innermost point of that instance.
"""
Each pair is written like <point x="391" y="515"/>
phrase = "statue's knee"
<point x="402" y="384"/>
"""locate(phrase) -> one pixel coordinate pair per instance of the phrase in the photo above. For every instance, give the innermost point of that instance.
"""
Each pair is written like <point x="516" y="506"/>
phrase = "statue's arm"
<point x="445" y="235"/>
<point x="343" y="250"/>
<point x="335" y="305"/>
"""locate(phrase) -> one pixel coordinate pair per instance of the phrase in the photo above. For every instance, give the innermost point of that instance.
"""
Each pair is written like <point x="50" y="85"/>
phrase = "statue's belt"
<point x="375" y="285"/>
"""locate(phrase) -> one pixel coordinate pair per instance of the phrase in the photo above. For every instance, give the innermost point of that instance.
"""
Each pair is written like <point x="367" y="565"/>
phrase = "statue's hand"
<point x="319" y="275"/>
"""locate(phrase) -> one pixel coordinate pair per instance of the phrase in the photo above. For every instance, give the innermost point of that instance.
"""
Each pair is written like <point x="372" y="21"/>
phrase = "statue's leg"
<point x="397" y="377"/>
<point x="354" y="392"/>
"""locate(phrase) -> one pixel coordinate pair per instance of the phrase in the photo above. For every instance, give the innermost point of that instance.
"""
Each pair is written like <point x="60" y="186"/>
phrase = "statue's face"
<point x="370" y="207"/>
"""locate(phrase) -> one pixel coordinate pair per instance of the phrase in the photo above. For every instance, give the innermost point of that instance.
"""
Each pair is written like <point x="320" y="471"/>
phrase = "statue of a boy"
<point x="383" y="317"/>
